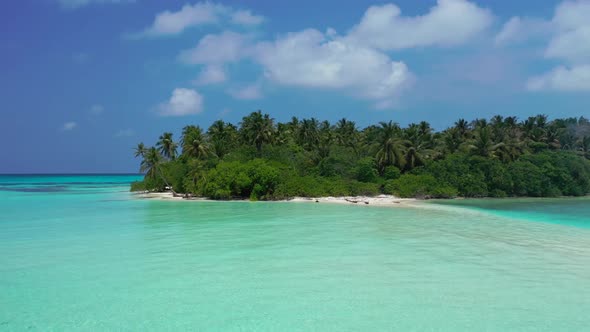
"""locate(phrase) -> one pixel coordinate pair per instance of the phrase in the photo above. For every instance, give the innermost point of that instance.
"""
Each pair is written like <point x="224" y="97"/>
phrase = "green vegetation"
<point x="263" y="160"/>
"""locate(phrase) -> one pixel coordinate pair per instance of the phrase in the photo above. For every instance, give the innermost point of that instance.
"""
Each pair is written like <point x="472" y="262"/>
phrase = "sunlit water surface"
<point x="82" y="253"/>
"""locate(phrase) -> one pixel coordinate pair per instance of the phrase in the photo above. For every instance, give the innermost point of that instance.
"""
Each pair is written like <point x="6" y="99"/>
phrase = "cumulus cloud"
<point x="571" y="15"/>
<point x="311" y="59"/>
<point x="248" y="92"/>
<point x="572" y="40"/>
<point x="216" y="49"/>
<point x="73" y="4"/>
<point x="570" y="43"/>
<point x="182" y="102"/>
<point x="171" y="23"/>
<point x="450" y="22"/>
<point x="69" y="126"/>
<point x="201" y="13"/>
<point x="355" y="62"/>
<point x="519" y="29"/>
<point x="245" y="17"/>
<point x="211" y="74"/>
<point x="563" y="78"/>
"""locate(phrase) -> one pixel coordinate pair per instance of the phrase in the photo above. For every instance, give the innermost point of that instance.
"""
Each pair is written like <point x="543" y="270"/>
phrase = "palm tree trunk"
<point x="166" y="182"/>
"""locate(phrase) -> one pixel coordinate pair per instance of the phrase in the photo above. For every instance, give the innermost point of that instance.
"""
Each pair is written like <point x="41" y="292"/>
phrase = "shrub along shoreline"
<point x="264" y="160"/>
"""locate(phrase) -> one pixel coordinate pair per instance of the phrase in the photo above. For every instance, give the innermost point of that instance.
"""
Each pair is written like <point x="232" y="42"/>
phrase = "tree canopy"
<point x="262" y="159"/>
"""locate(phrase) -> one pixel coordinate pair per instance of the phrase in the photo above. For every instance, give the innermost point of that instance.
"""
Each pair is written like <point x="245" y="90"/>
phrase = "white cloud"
<point x="96" y="109"/>
<point x="519" y="29"/>
<point x="307" y="58"/>
<point x="572" y="14"/>
<point x="570" y="42"/>
<point x="355" y="63"/>
<point x="562" y="78"/>
<point x="216" y="49"/>
<point x="201" y="13"/>
<point x="171" y="23"/>
<point x="450" y="22"/>
<point x="211" y="74"/>
<point x="69" y="126"/>
<point x="182" y="102"/>
<point x="125" y="133"/>
<point x="310" y="59"/>
<point x="73" y="4"/>
<point x="572" y="45"/>
<point x="248" y="92"/>
<point x="245" y="17"/>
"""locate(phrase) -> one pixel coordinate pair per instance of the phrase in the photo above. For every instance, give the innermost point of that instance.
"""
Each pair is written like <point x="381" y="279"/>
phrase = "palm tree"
<point x="150" y="163"/>
<point x="413" y="158"/>
<point x="390" y="148"/>
<point x="452" y="140"/>
<point x="140" y="150"/>
<point x="257" y="129"/>
<point x="419" y="143"/>
<point x="499" y="128"/>
<point x="197" y="175"/>
<point x="308" y="135"/>
<point x="326" y="137"/>
<point x="424" y="128"/>
<point x="283" y="134"/>
<point x="480" y="123"/>
<point x="511" y="121"/>
<point x="462" y="127"/>
<point x="541" y="120"/>
<point x="193" y="142"/>
<point x="166" y="146"/>
<point x="509" y="150"/>
<point x="552" y="136"/>
<point x="222" y="136"/>
<point x="482" y="144"/>
<point x="346" y="134"/>
<point x="497" y="120"/>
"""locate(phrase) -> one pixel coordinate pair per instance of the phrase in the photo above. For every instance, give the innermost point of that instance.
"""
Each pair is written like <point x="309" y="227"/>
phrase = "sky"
<point x="83" y="81"/>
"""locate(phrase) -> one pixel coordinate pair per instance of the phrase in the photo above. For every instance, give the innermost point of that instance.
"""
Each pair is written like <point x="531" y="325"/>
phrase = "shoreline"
<point x="381" y="200"/>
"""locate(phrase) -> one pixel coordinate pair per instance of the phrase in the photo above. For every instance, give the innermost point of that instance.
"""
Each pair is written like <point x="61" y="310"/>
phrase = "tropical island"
<point x="259" y="159"/>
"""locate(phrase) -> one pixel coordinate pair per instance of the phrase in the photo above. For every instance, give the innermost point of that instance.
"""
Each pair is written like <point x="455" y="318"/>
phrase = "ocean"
<point x="81" y="253"/>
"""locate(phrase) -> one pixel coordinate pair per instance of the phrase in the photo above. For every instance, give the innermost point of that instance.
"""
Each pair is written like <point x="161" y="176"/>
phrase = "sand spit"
<point x="381" y="200"/>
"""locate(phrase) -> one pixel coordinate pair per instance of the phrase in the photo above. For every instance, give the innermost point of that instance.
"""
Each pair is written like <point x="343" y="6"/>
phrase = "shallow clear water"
<point x="573" y="211"/>
<point x="81" y="253"/>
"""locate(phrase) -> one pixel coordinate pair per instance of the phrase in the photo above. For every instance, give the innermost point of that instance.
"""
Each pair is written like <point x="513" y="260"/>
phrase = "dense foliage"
<point x="264" y="160"/>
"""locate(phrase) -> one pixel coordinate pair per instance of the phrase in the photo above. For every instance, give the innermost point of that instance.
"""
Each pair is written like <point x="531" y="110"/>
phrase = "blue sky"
<point x="82" y="81"/>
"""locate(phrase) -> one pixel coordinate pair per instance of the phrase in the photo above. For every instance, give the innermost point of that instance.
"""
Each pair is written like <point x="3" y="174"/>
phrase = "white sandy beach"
<point x="381" y="200"/>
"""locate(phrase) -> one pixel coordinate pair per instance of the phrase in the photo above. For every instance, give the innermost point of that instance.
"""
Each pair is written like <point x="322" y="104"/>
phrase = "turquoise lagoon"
<point x="80" y="253"/>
